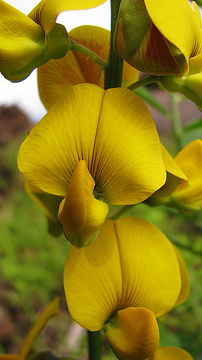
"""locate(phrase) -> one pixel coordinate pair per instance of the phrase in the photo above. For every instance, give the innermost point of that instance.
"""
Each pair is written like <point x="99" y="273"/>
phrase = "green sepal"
<point x="182" y="85"/>
<point x="132" y="25"/>
<point x="55" y="45"/>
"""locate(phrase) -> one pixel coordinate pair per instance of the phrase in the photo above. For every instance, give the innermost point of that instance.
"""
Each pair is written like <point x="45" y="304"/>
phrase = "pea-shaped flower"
<point x="75" y="68"/>
<point x="122" y="282"/>
<point x="93" y="148"/>
<point x="27" y="42"/>
<point x="159" y="37"/>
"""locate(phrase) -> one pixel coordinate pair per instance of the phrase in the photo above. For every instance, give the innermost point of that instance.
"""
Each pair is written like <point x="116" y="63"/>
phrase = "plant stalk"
<point x="113" y="72"/>
<point x="86" y="51"/>
<point x="175" y="119"/>
<point x="94" y="345"/>
<point x="146" y="80"/>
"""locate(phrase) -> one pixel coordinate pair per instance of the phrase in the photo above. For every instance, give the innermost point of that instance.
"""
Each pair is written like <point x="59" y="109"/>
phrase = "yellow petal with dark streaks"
<point x="74" y="68"/>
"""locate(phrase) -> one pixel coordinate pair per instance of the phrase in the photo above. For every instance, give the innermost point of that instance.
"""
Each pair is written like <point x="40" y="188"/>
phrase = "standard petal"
<point x="172" y="353"/>
<point x="176" y="23"/>
<point x="127" y="163"/>
<point x="116" y="137"/>
<point x="93" y="280"/>
<point x="66" y="135"/>
<point x="150" y="269"/>
<point x="80" y="213"/>
<point x="131" y="264"/>
<point x="46" y="12"/>
<point x="75" y="68"/>
<point x="133" y="334"/>
<point x="21" y="40"/>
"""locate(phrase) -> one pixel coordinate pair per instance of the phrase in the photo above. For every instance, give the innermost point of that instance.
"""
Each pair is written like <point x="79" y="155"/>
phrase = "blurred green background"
<point x="32" y="261"/>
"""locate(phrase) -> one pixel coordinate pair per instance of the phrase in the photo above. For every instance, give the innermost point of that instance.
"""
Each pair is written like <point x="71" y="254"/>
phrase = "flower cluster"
<point x="98" y="146"/>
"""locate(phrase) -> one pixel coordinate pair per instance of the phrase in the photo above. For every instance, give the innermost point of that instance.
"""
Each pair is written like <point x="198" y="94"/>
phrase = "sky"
<point x="25" y="93"/>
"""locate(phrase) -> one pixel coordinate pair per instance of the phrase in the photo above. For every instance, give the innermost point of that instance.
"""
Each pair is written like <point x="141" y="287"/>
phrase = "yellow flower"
<point x="30" y="41"/>
<point x="76" y="68"/>
<point x="129" y="276"/>
<point x="93" y="148"/>
<point x="51" y="310"/>
<point x="159" y="37"/>
<point x="183" y="193"/>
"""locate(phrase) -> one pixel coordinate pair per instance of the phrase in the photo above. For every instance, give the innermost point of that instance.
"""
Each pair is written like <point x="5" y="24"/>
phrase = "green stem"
<point x="113" y="73"/>
<point x="120" y="212"/>
<point x="74" y="46"/>
<point x="146" y="80"/>
<point x="175" y="119"/>
<point x="94" y="345"/>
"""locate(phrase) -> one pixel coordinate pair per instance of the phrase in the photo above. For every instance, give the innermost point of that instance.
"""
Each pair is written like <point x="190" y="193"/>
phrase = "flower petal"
<point x="46" y="12"/>
<point x="171" y="166"/>
<point x="50" y="203"/>
<point x="92" y="279"/>
<point x="175" y="22"/>
<point x="57" y="75"/>
<point x="154" y="55"/>
<point x="133" y="334"/>
<point x="172" y="353"/>
<point x="139" y="41"/>
<point x="189" y="159"/>
<point x="150" y="269"/>
<point x="21" y="39"/>
<point x="136" y="170"/>
<point x="76" y="68"/>
<point x="174" y="176"/>
<point x="131" y="264"/>
<point x="80" y="213"/>
<point x="66" y="135"/>
<point x="185" y="283"/>
<point x="126" y="162"/>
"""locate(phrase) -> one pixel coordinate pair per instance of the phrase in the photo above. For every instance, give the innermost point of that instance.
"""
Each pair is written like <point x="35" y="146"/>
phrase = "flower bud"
<point x="158" y="37"/>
